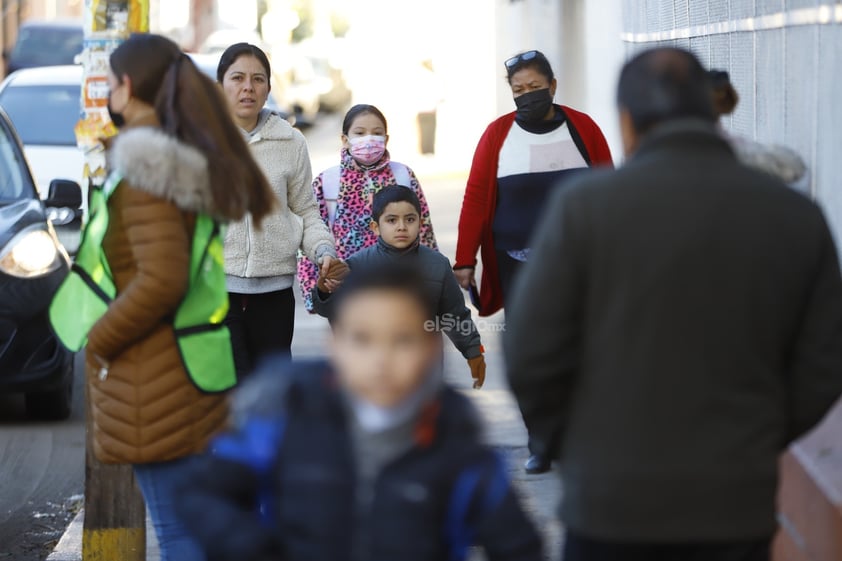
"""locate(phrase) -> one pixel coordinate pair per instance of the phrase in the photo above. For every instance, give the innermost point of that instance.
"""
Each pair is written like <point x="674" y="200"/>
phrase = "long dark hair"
<point x="238" y="50"/>
<point x="190" y="107"/>
<point x="362" y="109"/>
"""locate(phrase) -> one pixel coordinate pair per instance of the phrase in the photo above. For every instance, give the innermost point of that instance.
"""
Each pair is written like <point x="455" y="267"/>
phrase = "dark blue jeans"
<point x="158" y="483"/>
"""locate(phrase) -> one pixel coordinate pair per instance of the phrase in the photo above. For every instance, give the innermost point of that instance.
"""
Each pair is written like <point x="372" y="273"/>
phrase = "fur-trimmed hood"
<point x="155" y="162"/>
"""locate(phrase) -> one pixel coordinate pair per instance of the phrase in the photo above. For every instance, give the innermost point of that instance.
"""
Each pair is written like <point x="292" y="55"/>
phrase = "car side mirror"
<point x="64" y="194"/>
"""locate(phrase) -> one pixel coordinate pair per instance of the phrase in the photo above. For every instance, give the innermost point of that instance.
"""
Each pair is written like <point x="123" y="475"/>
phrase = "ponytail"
<point x="191" y="108"/>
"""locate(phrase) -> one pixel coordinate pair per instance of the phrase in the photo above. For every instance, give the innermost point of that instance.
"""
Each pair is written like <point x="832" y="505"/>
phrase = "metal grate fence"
<point x="785" y="60"/>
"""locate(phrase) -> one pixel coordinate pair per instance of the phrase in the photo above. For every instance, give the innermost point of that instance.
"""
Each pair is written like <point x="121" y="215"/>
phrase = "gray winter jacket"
<point x="452" y="316"/>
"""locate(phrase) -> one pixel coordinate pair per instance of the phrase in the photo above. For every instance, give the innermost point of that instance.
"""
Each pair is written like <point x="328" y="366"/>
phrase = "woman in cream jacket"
<point x="261" y="264"/>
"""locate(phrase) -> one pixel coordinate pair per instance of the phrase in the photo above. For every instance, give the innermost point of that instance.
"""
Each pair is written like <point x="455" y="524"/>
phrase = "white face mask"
<point x="367" y="150"/>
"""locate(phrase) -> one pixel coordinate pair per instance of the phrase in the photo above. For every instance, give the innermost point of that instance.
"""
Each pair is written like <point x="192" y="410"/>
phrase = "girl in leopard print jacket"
<point x="344" y="192"/>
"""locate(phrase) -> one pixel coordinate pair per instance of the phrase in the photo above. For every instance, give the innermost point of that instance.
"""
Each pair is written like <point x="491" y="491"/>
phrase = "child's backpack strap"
<point x="331" y="178"/>
<point x="401" y="173"/>
<point x="487" y="480"/>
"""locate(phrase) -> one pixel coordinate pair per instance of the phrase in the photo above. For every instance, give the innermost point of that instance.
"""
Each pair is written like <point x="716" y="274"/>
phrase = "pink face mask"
<point x="368" y="150"/>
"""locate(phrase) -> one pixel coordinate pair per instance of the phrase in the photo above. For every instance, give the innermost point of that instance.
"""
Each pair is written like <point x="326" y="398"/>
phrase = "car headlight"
<point x="31" y="253"/>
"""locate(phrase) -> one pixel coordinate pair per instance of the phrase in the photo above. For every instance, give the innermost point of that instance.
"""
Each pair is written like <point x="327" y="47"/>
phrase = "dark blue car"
<point x="32" y="265"/>
<point x="45" y="43"/>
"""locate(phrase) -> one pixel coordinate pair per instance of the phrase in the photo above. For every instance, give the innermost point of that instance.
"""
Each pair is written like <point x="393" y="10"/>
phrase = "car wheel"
<point x="53" y="405"/>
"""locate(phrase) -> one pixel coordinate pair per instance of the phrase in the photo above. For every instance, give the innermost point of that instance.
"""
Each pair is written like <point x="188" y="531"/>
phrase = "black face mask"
<point x="533" y="106"/>
<point x="116" y="118"/>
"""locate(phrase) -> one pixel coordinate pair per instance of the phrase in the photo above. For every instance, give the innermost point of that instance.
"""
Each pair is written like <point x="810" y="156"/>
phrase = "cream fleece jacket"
<point x="281" y="152"/>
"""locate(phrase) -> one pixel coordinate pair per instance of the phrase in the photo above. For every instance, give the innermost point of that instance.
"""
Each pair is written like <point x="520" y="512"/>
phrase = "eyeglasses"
<point x="522" y="57"/>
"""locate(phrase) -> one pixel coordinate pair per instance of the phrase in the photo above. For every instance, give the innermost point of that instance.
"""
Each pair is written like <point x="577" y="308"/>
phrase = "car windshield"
<point x="47" y="46"/>
<point x="12" y="183"/>
<point x="43" y="115"/>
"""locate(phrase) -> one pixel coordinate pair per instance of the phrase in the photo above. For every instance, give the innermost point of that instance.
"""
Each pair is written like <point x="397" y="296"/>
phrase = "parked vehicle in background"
<point x="335" y="94"/>
<point x="296" y="87"/>
<point x="302" y="87"/>
<point x="326" y="58"/>
<point x="44" y="106"/>
<point x="32" y="265"/>
<point x="208" y="64"/>
<point x="45" y="43"/>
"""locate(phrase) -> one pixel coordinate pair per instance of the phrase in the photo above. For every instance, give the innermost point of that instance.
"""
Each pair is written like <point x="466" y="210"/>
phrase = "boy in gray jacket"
<point x="396" y="219"/>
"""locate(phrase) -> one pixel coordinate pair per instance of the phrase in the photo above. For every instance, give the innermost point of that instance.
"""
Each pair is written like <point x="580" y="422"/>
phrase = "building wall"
<point x="784" y="58"/>
<point x="9" y="23"/>
<point x="582" y="41"/>
<point x="398" y="36"/>
<point x="785" y="61"/>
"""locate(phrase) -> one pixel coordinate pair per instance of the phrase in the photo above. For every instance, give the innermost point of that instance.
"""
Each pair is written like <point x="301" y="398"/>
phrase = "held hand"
<point x="465" y="277"/>
<point x="329" y="285"/>
<point x="331" y="273"/>
<point x="477" y="366"/>
<point x="324" y="265"/>
<point x="333" y="268"/>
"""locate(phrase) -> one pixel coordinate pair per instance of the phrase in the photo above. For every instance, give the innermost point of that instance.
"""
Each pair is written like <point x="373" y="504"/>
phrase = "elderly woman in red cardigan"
<point x="521" y="157"/>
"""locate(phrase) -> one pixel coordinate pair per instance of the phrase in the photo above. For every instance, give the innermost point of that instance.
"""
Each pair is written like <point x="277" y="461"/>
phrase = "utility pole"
<point x="115" y="514"/>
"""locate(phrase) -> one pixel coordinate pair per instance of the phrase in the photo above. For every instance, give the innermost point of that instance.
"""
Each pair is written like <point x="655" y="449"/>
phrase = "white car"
<point x="44" y="104"/>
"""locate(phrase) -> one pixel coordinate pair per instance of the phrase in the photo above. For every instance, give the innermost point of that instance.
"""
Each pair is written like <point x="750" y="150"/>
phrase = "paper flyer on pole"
<point x="107" y="23"/>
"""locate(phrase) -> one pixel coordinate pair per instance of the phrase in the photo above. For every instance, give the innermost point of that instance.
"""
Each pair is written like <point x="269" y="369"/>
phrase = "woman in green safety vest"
<point x="155" y="397"/>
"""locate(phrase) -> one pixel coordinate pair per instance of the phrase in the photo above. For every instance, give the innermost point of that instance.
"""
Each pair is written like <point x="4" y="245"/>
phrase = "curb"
<point x="69" y="547"/>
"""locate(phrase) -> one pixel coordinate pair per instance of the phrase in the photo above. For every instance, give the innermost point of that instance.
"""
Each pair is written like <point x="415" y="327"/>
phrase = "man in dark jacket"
<point x="679" y="325"/>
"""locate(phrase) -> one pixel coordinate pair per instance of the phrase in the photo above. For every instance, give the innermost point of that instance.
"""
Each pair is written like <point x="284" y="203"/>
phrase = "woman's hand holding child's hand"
<point x="331" y="273"/>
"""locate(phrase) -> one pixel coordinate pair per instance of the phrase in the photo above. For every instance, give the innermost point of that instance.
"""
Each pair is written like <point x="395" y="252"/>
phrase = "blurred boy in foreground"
<point x="366" y="458"/>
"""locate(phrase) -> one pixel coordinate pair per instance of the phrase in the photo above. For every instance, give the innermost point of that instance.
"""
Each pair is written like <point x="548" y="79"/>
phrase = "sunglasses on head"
<point x="522" y="57"/>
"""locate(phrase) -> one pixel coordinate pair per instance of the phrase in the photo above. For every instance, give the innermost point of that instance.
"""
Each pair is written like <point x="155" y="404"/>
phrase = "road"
<point x="42" y="469"/>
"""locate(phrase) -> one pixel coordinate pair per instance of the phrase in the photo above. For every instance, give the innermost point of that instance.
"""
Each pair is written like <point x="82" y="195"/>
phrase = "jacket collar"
<point x="677" y="134"/>
<point x="162" y="165"/>
<point x="393" y="251"/>
<point x="271" y="127"/>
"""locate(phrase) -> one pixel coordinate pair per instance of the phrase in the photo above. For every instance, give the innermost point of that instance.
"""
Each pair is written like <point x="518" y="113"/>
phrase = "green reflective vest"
<point x="203" y="341"/>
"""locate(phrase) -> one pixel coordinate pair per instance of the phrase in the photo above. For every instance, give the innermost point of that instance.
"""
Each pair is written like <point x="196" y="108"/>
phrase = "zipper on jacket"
<point x="370" y="183"/>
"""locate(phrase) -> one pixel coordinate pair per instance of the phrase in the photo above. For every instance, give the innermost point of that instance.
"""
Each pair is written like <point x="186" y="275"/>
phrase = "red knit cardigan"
<point x="480" y="200"/>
